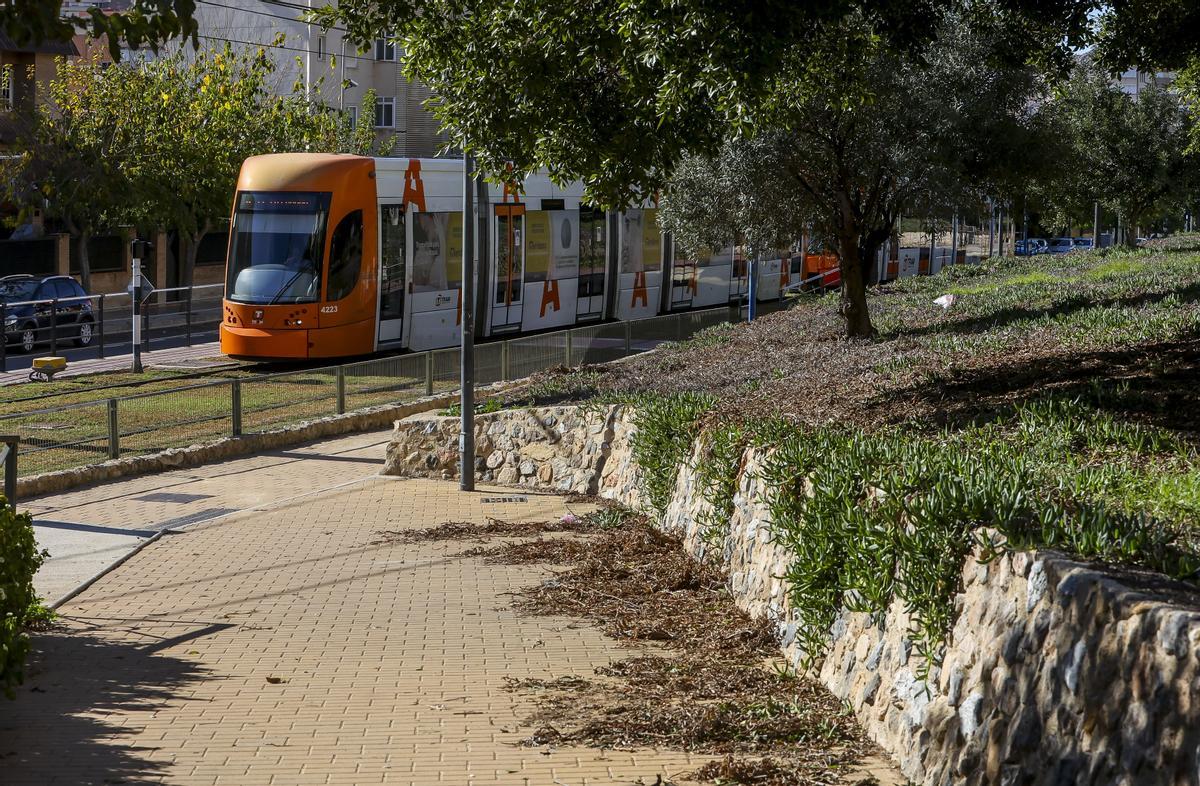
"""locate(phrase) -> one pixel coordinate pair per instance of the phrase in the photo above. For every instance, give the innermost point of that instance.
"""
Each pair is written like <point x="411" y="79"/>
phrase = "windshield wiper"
<point x="287" y="285"/>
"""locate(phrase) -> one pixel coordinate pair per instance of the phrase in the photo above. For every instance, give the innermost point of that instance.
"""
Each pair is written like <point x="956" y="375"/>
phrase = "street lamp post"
<point x="466" y="437"/>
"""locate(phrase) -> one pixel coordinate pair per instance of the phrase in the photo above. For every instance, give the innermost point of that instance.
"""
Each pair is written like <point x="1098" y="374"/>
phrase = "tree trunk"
<point x="1131" y="237"/>
<point x="853" y="305"/>
<point x="85" y="263"/>
<point x="189" y="246"/>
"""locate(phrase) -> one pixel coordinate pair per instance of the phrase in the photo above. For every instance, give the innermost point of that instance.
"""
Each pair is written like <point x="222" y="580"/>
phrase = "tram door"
<point x="739" y="274"/>
<point x="508" y="272"/>
<point x="392" y="256"/>
<point x="592" y="261"/>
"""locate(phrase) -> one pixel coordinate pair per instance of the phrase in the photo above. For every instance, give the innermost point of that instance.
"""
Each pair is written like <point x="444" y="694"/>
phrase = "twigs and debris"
<point x="493" y="528"/>
<point x="719" y="689"/>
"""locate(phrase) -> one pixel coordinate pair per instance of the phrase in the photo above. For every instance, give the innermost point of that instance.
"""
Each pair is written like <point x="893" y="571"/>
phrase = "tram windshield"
<point x="278" y="247"/>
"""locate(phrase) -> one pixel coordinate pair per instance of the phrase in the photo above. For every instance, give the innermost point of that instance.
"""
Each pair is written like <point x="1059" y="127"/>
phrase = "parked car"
<point x="28" y="324"/>
<point x="1083" y="243"/>
<point x="1061" y="245"/>
<point x="1030" y="247"/>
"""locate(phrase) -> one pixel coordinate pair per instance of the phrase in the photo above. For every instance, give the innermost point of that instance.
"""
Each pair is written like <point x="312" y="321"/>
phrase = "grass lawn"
<point x="72" y="429"/>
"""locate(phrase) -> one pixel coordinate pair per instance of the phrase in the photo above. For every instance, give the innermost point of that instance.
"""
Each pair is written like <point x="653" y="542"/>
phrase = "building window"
<point x="385" y="112"/>
<point x="352" y="116"/>
<point x="385" y="49"/>
<point x="6" y="87"/>
<point x="321" y="47"/>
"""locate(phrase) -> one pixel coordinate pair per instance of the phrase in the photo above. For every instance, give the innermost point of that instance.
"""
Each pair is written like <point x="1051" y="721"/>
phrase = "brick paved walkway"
<point x="88" y="529"/>
<point x="289" y="643"/>
<point x="290" y="646"/>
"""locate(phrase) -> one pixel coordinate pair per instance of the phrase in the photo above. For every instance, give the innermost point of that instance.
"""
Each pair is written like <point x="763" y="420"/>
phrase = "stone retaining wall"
<point x="1055" y="672"/>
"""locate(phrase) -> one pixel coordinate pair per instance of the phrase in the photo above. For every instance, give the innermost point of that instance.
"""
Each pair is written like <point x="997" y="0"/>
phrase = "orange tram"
<point x="339" y="256"/>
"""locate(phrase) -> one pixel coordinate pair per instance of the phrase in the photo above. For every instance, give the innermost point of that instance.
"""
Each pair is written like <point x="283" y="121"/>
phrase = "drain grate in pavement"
<point x="494" y="500"/>
<point x="167" y="496"/>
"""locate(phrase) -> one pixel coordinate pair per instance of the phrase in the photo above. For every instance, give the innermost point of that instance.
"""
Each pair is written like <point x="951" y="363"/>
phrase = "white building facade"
<point x="328" y="64"/>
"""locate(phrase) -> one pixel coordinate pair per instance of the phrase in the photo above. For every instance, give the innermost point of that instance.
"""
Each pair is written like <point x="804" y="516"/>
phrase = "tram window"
<point x="345" y="256"/>
<point x="437" y="252"/>
<point x="276" y="254"/>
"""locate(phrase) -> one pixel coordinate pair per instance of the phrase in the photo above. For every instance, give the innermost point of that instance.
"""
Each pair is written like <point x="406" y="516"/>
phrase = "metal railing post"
<point x="679" y="327"/>
<point x="429" y="373"/>
<point x="628" y="338"/>
<point x="3" y="338"/>
<point x="9" y="458"/>
<point x="101" y="345"/>
<point x="504" y="361"/>
<point x="341" y="390"/>
<point x="114" y="430"/>
<point x="187" y="317"/>
<point x="235" y="412"/>
<point x="568" y="353"/>
<point x="54" y="326"/>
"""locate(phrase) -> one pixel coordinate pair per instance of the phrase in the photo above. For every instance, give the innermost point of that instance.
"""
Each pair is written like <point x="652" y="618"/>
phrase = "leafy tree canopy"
<point x="145" y="23"/>
<point x="875" y="134"/>
<point x="160" y="143"/>
<point x="1129" y="153"/>
<point x="614" y="92"/>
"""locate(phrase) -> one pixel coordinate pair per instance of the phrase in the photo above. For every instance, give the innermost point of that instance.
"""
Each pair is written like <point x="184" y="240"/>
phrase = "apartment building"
<point x="1134" y="80"/>
<point x="325" y="62"/>
<point x="25" y="70"/>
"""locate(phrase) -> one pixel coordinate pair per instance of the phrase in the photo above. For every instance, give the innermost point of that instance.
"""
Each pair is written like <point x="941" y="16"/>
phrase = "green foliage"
<point x="614" y="92"/>
<point x="826" y="167"/>
<point x="481" y="408"/>
<point x="874" y="517"/>
<point x="160" y="143"/>
<point x="610" y="517"/>
<point x="140" y="23"/>
<point x="666" y="428"/>
<point x="717" y="471"/>
<point x="870" y="518"/>
<point x="1129" y="153"/>
<point x="19" y="606"/>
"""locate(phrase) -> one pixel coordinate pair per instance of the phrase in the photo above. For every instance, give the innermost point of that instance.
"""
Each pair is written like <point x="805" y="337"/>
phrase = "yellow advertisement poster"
<point x="651" y="240"/>
<point x="537" y="245"/>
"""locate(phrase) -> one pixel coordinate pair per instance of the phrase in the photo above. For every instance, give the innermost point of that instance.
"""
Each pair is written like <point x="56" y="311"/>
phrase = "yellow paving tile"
<point x="289" y="645"/>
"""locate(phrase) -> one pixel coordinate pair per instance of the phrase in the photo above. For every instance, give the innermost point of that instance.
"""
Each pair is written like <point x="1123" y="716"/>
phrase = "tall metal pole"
<point x="932" y="242"/>
<point x="1095" y="225"/>
<point x="954" y="240"/>
<point x="752" y="293"/>
<point x="466" y="438"/>
<point x="135" y="293"/>
<point x="991" y="230"/>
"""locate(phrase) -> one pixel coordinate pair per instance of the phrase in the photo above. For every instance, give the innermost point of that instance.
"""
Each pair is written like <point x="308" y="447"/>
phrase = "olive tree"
<point x="882" y="134"/>
<point x="1129" y="152"/>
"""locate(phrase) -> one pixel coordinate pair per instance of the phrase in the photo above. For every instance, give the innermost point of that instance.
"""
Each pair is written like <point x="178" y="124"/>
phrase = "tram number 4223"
<point x="328" y="309"/>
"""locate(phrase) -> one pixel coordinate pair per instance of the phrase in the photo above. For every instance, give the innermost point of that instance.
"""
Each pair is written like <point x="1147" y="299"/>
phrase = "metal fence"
<point x="75" y="435"/>
<point x="96" y="325"/>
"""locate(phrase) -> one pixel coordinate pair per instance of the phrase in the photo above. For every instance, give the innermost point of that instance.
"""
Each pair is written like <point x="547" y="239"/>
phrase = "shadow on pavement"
<point x="66" y="724"/>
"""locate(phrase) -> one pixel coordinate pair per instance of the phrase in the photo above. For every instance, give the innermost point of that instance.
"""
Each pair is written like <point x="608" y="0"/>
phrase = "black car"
<point x="29" y="324"/>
